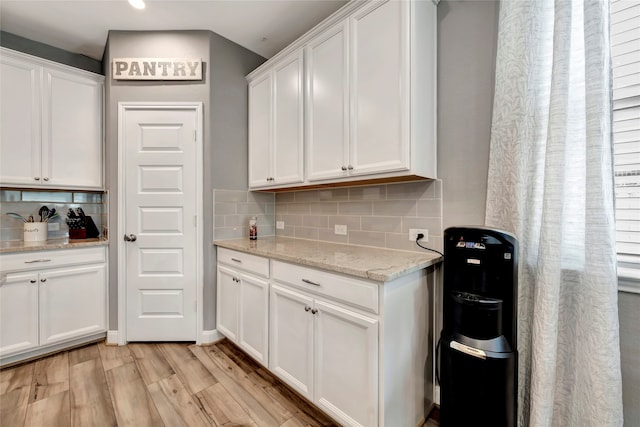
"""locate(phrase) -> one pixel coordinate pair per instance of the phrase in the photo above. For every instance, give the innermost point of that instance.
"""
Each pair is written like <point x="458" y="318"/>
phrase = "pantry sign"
<point x="157" y="69"/>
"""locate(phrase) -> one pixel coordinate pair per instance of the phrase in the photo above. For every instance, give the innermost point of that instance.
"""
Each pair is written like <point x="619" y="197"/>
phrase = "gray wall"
<point x="228" y="151"/>
<point x="467" y="37"/>
<point x="629" y="313"/>
<point x="51" y="53"/>
<point x="224" y="96"/>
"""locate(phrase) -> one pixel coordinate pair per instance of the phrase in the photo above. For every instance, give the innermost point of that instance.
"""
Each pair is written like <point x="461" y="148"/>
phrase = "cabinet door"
<point x="227" y="303"/>
<point x="253" y="327"/>
<point x="260" y="131"/>
<point x="18" y="313"/>
<point x="346" y="370"/>
<point x="19" y="121"/>
<point x="72" y="303"/>
<point x="379" y="88"/>
<point x="327" y="105"/>
<point x="72" y="130"/>
<point x="288" y="121"/>
<point x="291" y="339"/>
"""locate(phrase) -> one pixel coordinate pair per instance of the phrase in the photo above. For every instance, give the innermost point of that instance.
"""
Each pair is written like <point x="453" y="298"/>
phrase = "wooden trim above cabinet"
<point x="389" y="180"/>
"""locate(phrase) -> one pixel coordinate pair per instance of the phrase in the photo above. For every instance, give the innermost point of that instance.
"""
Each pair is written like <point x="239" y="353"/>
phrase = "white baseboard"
<point x="210" y="336"/>
<point x="112" y="338"/>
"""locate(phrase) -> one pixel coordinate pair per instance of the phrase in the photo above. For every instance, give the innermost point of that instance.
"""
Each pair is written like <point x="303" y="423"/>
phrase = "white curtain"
<point x="551" y="184"/>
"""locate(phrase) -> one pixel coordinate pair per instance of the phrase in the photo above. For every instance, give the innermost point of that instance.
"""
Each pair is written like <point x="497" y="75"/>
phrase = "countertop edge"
<point x="371" y="274"/>
<point x="49" y="245"/>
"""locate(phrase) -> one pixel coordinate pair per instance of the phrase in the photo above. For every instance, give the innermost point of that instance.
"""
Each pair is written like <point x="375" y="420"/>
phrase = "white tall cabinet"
<point x="51" y="124"/>
<point x="370" y="94"/>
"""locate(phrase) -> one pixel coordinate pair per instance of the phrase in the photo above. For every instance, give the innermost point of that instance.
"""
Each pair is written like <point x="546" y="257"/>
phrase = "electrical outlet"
<point x="341" y="229"/>
<point x="413" y="233"/>
<point x="280" y="225"/>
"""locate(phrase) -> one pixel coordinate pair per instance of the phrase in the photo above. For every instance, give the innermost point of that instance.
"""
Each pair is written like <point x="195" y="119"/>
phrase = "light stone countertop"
<point x="378" y="264"/>
<point x="51" y="244"/>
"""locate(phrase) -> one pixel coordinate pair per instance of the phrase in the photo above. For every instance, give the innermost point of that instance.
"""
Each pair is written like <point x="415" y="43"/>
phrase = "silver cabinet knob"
<point x="45" y="178"/>
<point x="32" y="281"/>
<point x="37" y="178"/>
<point x="350" y="167"/>
<point x="344" y="168"/>
<point x="307" y="308"/>
<point x="314" y="311"/>
<point x="44" y="279"/>
<point x="130" y="238"/>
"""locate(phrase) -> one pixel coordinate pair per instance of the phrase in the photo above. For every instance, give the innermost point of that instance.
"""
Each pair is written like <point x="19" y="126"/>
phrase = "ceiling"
<point x="81" y="26"/>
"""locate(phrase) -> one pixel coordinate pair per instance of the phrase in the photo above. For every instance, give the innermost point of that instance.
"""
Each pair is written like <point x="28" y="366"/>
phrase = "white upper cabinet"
<point x="276" y="125"/>
<point x="327" y="105"/>
<point x="370" y="94"/>
<point x="20" y="120"/>
<point x="379" y="89"/>
<point x="51" y="117"/>
<point x="72" y="129"/>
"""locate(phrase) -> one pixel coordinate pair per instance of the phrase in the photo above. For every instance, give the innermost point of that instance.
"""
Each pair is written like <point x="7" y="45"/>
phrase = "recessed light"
<point x="138" y="4"/>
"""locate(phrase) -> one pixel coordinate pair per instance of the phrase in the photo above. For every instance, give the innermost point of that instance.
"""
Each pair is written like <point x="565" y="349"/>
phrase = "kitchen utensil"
<point x="52" y="214"/>
<point x="51" y="217"/>
<point x="44" y="213"/>
<point x="80" y="213"/>
<point x="30" y="218"/>
<point x="71" y="214"/>
<point x="16" y="216"/>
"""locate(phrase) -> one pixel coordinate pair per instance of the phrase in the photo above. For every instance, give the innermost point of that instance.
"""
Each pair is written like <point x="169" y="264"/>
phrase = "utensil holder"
<point x="35" y="231"/>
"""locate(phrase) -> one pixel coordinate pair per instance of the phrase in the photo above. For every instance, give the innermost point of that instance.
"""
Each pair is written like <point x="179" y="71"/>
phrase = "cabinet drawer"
<point x="49" y="259"/>
<point x="251" y="263"/>
<point x="351" y="290"/>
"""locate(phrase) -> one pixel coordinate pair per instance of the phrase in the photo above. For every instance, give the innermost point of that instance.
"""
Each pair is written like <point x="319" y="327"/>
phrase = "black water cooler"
<point x="478" y="352"/>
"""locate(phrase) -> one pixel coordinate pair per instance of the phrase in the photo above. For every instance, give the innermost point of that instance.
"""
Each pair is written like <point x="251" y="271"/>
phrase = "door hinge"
<point x="195" y="220"/>
<point x="195" y="135"/>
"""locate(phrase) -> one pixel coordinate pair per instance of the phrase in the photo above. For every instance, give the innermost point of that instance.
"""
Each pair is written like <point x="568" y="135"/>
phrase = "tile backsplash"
<point x="378" y="215"/>
<point x="232" y="210"/>
<point x="28" y="202"/>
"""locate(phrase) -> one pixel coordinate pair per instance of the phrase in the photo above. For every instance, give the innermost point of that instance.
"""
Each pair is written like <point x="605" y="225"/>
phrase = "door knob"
<point x="130" y="238"/>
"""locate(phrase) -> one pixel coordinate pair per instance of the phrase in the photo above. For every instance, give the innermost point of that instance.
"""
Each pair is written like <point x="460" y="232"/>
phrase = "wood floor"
<point x="170" y="384"/>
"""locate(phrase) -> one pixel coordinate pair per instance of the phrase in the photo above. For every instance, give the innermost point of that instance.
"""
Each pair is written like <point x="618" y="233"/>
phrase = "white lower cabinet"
<point x="243" y="304"/>
<point x="72" y="303"/>
<point x="44" y="307"/>
<point x="358" y="349"/>
<point x="18" y="313"/>
<point x="346" y="364"/>
<point x="291" y="339"/>
<point x="328" y="353"/>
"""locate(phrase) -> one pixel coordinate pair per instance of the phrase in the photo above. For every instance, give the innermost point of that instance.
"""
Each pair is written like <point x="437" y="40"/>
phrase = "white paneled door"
<point x="161" y="151"/>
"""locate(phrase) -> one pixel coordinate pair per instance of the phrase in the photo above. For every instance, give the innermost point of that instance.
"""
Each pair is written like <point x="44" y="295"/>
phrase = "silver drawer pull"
<point x="37" y="260"/>
<point x="310" y="282"/>
<point x="236" y="260"/>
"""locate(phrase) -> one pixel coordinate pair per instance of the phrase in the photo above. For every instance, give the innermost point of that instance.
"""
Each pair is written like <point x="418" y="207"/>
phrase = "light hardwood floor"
<point x="170" y="384"/>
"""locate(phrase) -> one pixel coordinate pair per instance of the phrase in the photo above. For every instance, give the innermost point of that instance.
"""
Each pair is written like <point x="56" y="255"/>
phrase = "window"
<point x="625" y="46"/>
